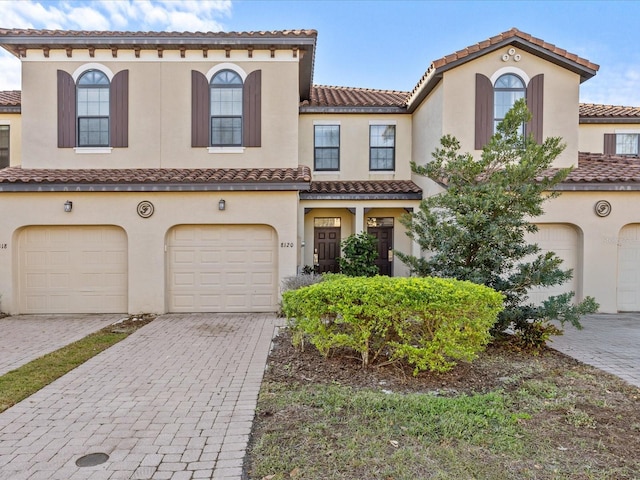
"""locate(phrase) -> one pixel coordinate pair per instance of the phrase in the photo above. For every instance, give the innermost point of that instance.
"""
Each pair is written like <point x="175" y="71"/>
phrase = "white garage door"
<point x="629" y="269"/>
<point x="221" y="268"/>
<point x="75" y="269"/>
<point x="563" y="240"/>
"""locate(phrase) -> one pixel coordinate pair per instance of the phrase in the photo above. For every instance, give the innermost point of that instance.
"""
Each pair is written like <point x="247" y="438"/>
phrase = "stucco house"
<point x="189" y="172"/>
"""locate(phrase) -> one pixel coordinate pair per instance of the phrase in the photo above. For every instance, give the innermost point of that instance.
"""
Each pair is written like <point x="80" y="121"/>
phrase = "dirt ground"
<point x="606" y="431"/>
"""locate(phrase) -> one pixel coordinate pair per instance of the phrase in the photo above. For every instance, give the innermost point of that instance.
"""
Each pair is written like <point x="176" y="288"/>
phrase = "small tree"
<point x="359" y="254"/>
<point x="476" y="228"/>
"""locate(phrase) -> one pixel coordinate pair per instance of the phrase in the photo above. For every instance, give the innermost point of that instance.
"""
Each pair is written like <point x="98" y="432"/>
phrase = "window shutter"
<point x="609" y="144"/>
<point x="252" y="110"/>
<point x="484" y="111"/>
<point x="119" y="110"/>
<point x="199" y="110"/>
<point x="66" y="110"/>
<point x="535" y="99"/>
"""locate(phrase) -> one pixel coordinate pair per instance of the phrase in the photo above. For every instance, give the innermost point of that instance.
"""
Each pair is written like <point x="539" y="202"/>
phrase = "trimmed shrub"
<point x="359" y="255"/>
<point x="428" y="322"/>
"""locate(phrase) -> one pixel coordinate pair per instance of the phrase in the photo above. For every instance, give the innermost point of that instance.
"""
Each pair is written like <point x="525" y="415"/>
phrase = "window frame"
<point x="7" y="149"/>
<point x="523" y="89"/>
<point x="236" y="86"/>
<point x="79" y="117"/>
<point x="377" y="148"/>
<point x="637" y="143"/>
<point x="317" y="148"/>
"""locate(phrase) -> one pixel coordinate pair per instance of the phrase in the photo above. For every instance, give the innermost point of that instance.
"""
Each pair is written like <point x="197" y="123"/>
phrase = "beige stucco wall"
<point x="146" y="237"/>
<point x="600" y="237"/>
<point x="561" y="96"/>
<point x="354" y="145"/>
<point x="14" y="121"/>
<point x="591" y="135"/>
<point x="160" y="111"/>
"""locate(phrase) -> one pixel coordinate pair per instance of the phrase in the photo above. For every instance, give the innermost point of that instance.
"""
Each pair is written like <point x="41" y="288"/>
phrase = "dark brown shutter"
<point x="199" y="110"/>
<point x="535" y="103"/>
<point x="252" y="110"/>
<point x="484" y="111"/>
<point x="119" y="110"/>
<point x="609" y="144"/>
<point x="66" y="110"/>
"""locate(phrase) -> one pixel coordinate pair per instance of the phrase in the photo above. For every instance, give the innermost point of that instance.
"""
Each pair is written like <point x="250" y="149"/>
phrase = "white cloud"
<point x="617" y="85"/>
<point x="10" y="68"/>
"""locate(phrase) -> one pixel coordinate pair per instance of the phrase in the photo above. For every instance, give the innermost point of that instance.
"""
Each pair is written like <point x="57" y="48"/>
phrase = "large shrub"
<point x="429" y="322"/>
<point x="359" y="255"/>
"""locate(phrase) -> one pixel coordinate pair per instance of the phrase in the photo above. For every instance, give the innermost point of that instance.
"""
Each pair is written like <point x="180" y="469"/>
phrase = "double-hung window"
<point x="93" y="109"/>
<point x="226" y="109"/>
<point x="326" y="147"/>
<point x="507" y="89"/>
<point x="4" y="145"/>
<point x="382" y="147"/>
<point x="627" y="143"/>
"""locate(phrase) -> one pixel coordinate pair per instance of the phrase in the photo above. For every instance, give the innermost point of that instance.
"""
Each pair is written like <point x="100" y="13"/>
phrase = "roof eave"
<point x="597" y="187"/>
<point x="152" y="187"/>
<point x="360" y="196"/>
<point x="352" y="109"/>
<point x="606" y="120"/>
<point x="10" y="109"/>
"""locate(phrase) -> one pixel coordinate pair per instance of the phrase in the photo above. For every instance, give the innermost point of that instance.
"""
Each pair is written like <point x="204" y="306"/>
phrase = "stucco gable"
<point x="583" y="67"/>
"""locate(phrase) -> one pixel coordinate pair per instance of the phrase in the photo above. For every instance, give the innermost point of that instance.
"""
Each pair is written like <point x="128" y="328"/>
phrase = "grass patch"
<point x="24" y="381"/>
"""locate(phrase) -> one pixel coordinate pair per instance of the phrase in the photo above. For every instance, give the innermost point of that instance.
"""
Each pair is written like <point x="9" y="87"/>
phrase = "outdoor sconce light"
<point x="222" y="204"/>
<point x="68" y="206"/>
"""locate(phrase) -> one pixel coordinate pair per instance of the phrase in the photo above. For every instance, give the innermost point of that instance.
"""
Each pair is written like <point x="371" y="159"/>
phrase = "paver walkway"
<point x="175" y="400"/>
<point x="26" y="337"/>
<point x="610" y="342"/>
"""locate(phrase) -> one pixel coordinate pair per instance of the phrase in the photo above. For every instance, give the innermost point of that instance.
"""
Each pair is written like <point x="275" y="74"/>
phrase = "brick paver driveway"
<point x="175" y="400"/>
<point x="26" y="337"/>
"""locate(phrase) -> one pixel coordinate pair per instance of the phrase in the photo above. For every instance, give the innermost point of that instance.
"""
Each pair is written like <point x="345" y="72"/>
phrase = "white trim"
<point x="383" y="122"/>
<point x="225" y="149"/>
<point x="504" y="70"/>
<point x="327" y="122"/>
<point x="84" y="150"/>
<point x="226" y="66"/>
<point x="381" y="172"/>
<point x="5" y="122"/>
<point x="92" y="66"/>
<point x="628" y="130"/>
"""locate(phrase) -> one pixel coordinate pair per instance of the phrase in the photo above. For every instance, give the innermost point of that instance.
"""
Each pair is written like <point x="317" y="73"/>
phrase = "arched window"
<point x="93" y="109"/>
<point x="226" y="109"/>
<point x="507" y="89"/>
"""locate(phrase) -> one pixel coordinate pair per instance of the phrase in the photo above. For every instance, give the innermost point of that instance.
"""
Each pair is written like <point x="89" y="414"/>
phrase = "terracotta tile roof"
<point x="10" y="98"/>
<point x="586" y="68"/>
<point x="328" y="96"/>
<point x="597" y="168"/>
<point x="154" y="176"/>
<point x="371" y="187"/>
<point x="80" y="34"/>
<point x="608" y="111"/>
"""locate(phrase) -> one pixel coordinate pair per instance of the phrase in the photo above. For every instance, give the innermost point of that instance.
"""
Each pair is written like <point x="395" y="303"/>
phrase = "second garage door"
<point x="564" y="241"/>
<point x="222" y="268"/>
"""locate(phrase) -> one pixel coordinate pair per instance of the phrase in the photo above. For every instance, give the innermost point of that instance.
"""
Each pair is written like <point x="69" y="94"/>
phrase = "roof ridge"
<point x="70" y="33"/>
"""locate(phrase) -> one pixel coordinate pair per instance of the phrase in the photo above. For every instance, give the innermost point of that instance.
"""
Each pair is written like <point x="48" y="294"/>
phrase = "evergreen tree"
<point x="475" y="230"/>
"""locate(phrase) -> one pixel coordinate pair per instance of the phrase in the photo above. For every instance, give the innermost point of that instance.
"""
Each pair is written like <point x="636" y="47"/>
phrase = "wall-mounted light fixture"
<point x="222" y="204"/>
<point x="68" y="206"/>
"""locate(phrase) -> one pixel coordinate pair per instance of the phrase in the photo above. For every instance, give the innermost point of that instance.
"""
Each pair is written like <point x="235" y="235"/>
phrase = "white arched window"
<point x="93" y="89"/>
<point x="506" y="91"/>
<point x="226" y="109"/>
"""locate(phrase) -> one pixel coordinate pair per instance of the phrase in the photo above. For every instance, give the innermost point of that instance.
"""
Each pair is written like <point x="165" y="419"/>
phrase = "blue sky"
<point x="371" y="44"/>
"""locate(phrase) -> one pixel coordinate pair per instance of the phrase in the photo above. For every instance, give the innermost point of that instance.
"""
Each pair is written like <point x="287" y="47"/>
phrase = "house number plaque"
<point x="145" y="209"/>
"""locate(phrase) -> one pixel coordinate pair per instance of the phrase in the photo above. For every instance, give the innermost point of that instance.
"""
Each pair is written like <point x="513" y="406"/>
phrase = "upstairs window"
<point x="93" y="109"/>
<point x="327" y="147"/>
<point x="4" y="146"/>
<point x="382" y="147"/>
<point x="627" y="143"/>
<point x="507" y="90"/>
<point x="226" y="109"/>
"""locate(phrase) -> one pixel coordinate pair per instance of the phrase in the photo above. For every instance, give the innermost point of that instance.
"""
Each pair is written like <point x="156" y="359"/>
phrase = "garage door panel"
<point x="629" y="269"/>
<point x="75" y="269"/>
<point x="225" y="260"/>
<point x="564" y="241"/>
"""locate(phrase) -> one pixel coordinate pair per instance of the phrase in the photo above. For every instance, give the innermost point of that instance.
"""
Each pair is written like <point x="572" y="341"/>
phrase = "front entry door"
<point x="384" y="262"/>
<point x="326" y="249"/>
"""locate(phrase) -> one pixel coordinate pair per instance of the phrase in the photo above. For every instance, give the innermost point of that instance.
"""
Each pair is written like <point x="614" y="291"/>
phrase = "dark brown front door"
<point x="326" y="249"/>
<point x="384" y="235"/>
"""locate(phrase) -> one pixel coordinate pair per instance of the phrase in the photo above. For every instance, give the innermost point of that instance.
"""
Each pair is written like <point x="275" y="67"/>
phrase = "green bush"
<point x="428" y="322"/>
<point x="359" y="255"/>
